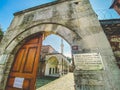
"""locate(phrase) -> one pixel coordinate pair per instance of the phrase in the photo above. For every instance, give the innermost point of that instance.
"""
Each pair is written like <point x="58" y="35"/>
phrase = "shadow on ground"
<point x="44" y="80"/>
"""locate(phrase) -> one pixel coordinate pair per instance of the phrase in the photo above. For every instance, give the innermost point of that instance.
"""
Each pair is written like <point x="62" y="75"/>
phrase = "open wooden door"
<point x="24" y="69"/>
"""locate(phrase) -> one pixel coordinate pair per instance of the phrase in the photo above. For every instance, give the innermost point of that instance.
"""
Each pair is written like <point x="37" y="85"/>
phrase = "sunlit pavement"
<point x="64" y="83"/>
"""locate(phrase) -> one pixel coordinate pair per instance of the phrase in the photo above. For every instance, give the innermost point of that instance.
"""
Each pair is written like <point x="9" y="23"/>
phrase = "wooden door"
<point x="24" y="69"/>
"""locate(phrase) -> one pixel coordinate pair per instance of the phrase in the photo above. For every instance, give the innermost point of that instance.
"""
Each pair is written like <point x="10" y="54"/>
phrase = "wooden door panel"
<point x="30" y="60"/>
<point x="26" y="75"/>
<point x="26" y="84"/>
<point x="11" y="80"/>
<point x="25" y="65"/>
<point x="10" y="88"/>
<point x="19" y="59"/>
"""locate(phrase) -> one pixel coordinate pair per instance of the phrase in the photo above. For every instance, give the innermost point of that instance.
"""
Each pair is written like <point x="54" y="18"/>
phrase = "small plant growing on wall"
<point x="1" y="34"/>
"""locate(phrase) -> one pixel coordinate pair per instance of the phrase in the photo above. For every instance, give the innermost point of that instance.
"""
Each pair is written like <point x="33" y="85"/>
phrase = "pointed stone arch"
<point x="64" y="32"/>
<point x="16" y="41"/>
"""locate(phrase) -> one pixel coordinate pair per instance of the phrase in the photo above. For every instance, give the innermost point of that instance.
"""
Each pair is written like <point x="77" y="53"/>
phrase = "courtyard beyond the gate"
<point x="63" y="83"/>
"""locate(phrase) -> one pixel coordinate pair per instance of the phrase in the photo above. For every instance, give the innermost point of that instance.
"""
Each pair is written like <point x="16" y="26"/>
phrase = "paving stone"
<point x="64" y="83"/>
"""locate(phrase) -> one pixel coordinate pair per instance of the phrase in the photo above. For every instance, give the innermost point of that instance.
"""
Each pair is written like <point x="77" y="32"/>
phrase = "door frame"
<point x="17" y="48"/>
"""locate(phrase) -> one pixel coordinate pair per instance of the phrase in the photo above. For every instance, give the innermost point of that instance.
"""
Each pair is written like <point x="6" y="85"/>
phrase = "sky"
<point x="9" y="7"/>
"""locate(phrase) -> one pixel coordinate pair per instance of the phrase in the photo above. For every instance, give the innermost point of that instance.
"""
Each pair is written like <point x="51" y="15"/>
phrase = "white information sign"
<point x="18" y="82"/>
<point x="88" y="61"/>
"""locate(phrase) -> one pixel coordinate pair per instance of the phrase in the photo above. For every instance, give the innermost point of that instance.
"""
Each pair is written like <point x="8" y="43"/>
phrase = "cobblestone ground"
<point x="64" y="83"/>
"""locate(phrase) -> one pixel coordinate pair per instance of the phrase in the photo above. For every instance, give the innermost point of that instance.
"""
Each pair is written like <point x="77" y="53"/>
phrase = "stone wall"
<point x="111" y="28"/>
<point x="74" y="21"/>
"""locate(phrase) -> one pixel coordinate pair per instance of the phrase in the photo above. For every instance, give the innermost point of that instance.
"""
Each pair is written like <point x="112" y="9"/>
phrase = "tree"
<point x="1" y="33"/>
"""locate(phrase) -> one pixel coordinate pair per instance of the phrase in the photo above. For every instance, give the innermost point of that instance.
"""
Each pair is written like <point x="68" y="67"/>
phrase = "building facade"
<point x="112" y="30"/>
<point x="56" y="65"/>
<point x="52" y="63"/>
<point x="116" y="6"/>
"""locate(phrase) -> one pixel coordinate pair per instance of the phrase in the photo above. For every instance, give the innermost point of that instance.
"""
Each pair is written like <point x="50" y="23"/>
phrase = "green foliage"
<point x="1" y="33"/>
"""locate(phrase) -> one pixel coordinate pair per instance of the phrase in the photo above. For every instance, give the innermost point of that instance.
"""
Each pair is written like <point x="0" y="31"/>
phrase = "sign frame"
<point x="88" y="61"/>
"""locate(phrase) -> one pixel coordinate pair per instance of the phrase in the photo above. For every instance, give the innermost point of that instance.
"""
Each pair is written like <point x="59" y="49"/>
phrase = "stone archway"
<point x="52" y="66"/>
<point x="18" y="40"/>
<point x="76" y="22"/>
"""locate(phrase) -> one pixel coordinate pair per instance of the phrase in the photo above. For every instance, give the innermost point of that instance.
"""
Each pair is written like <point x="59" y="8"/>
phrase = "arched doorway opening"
<point x="53" y="63"/>
<point x="26" y="60"/>
<point x="16" y="43"/>
<point x="52" y="66"/>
